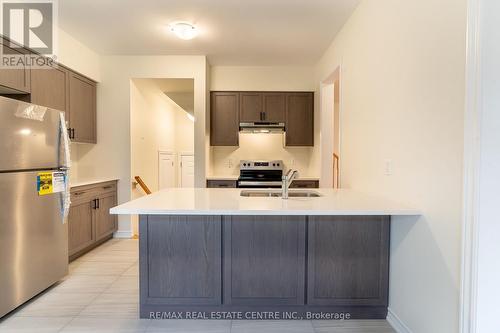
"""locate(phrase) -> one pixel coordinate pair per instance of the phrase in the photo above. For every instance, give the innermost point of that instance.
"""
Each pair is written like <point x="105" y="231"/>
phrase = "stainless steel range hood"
<point x="262" y="127"/>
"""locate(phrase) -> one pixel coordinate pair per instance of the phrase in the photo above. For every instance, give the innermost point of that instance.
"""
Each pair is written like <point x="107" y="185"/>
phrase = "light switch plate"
<point x="388" y="167"/>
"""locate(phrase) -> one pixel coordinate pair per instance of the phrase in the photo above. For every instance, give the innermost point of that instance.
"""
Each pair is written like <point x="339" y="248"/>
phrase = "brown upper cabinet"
<point x="299" y="119"/>
<point x="262" y="107"/>
<point x="49" y="88"/>
<point x="251" y="107"/>
<point x="82" y="108"/>
<point x="274" y="107"/>
<point x="295" y="109"/>
<point x="14" y="81"/>
<point x="57" y="87"/>
<point x="224" y="118"/>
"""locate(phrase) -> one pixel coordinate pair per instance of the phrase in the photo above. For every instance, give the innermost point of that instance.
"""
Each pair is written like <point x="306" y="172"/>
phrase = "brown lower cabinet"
<point x="305" y="183"/>
<point x="90" y="222"/>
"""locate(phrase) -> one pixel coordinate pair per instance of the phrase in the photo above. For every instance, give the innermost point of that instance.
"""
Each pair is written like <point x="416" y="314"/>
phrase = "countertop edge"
<point x="92" y="182"/>
<point x="266" y="212"/>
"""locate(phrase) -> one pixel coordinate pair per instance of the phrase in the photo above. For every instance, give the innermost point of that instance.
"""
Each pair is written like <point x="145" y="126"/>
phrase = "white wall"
<point x="82" y="59"/>
<point x="403" y="99"/>
<point x="486" y="223"/>
<point x="111" y="156"/>
<point x="261" y="146"/>
<point x="78" y="56"/>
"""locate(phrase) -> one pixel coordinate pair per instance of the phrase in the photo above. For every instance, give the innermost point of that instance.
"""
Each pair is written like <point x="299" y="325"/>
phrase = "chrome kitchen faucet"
<point x="286" y="181"/>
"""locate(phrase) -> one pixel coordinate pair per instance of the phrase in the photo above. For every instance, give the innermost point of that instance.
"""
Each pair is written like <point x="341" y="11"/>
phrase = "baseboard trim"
<point x="396" y="322"/>
<point x="123" y="234"/>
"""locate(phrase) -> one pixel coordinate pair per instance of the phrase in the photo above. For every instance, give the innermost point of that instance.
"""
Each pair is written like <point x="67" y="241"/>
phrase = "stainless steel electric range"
<point x="260" y="174"/>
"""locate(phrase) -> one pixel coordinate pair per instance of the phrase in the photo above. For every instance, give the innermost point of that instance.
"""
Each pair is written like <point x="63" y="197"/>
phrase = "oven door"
<point x="258" y="184"/>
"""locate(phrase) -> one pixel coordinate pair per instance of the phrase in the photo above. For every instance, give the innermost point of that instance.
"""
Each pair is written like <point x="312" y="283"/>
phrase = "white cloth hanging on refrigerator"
<point x="65" y="163"/>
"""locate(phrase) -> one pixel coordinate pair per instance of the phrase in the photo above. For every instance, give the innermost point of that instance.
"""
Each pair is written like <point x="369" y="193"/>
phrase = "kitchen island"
<point x="214" y="254"/>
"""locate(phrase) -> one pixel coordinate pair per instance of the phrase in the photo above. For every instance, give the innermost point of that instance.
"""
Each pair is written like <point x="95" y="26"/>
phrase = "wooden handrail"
<point x="336" y="169"/>
<point x="142" y="184"/>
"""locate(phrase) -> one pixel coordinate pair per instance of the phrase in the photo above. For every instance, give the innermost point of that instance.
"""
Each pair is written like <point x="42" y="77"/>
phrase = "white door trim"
<point x="337" y="73"/>
<point x="472" y="129"/>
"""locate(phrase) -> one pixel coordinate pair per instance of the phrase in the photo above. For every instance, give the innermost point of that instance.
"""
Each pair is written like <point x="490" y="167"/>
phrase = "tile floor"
<point x="100" y="294"/>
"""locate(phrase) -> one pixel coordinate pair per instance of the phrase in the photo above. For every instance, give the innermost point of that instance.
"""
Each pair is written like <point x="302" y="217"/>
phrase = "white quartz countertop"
<point x="216" y="201"/>
<point x="83" y="182"/>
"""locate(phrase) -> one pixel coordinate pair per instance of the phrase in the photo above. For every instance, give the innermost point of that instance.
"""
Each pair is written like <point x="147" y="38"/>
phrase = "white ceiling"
<point x="232" y="32"/>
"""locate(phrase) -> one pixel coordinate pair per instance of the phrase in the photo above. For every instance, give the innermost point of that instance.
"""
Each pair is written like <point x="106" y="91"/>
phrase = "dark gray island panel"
<point x="264" y="260"/>
<point x="348" y="260"/>
<point x="180" y="259"/>
<point x="291" y="266"/>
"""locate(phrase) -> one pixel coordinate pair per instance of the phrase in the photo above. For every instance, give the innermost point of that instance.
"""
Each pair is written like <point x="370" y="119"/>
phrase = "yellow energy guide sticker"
<point x="44" y="183"/>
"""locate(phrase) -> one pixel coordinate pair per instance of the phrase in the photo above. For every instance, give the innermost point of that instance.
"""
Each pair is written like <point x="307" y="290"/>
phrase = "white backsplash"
<point x="225" y="160"/>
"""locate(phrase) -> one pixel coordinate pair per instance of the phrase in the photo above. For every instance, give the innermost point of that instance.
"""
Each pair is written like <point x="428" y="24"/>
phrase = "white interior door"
<point x="166" y="170"/>
<point x="187" y="171"/>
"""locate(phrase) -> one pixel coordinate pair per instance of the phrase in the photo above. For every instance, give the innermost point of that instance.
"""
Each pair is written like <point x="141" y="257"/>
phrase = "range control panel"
<point x="261" y="165"/>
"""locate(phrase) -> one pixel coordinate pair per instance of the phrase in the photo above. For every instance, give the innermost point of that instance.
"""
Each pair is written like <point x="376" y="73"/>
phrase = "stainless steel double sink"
<point x="277" y="193"/>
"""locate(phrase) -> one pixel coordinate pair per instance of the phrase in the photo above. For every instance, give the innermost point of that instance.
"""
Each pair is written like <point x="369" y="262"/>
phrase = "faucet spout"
<point x="286" y="181"/>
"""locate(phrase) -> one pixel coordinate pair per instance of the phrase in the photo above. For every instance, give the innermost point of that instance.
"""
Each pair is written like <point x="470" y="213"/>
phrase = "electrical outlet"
<point x="388" y="167"/>
<point x="230" y="164"/>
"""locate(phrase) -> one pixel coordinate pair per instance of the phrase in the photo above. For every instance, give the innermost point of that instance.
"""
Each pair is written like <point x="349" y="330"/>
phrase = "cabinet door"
<point x="264" y="260"/>
<point x="251" y="107"/>
<point x="274" y="107"/>
<point x="105" y="222"/>
<point x="15" y="80"/>
<point x="305" y="184"/>
<point x="49" y="88"/>
<point x="299" y="119"/>
<point x="224" y="119"/>
<point x="215" y="183"/>
<point x="81" y="232"/>
<point x="180" y="260"/>
<point x="82" y="108"/>
<point x="348" y="260"/>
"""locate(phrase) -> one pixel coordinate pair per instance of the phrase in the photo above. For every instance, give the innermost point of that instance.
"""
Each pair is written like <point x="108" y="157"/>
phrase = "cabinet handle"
<point x="73" y="133"/>
<point x="94" y="204"/>
<point x="98" y="203"/>
<point x="107" y="187"/>
<point x="78" y="193"/>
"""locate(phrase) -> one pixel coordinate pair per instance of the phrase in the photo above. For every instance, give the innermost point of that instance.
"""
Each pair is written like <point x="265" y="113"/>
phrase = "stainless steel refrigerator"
<point x="34" y="200"/>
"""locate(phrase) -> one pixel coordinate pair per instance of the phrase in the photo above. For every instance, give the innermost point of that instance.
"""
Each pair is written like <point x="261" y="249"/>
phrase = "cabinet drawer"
<point x="305" y="184"/>
<point x="92" y="190"/>
<point x="221" y="183"/>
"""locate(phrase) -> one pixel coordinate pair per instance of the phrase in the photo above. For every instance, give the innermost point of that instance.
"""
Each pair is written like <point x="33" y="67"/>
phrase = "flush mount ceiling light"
<point x="183" y="30"/>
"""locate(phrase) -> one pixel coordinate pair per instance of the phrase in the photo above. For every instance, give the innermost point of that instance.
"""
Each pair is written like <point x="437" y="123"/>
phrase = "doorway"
<point x="161" y="128"/>
<point x="331" y="111"/>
